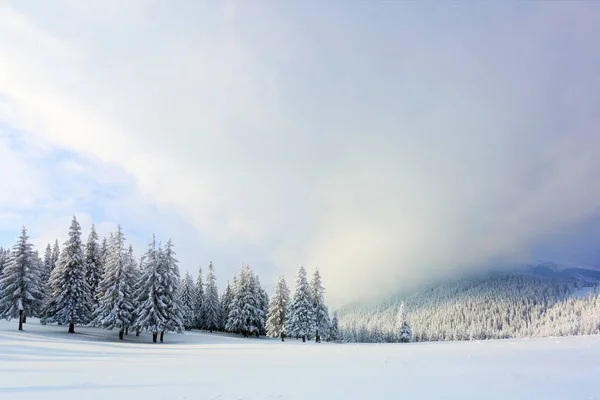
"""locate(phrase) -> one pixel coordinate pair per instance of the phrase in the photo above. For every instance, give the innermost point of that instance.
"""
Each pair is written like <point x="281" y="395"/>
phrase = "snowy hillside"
<point x="44" y="362"/>
<point x="536" y="301"/>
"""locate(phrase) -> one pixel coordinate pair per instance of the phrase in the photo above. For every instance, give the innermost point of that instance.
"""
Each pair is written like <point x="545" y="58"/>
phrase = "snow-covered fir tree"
<point x="245" y="315"/>
<point x="226" y="300"/>
<point x="212" y="308"/>
<point x="103" y="252"/>
<point x="264" y="305"/>
<point x="71" y="301"/>
<point x="93" y="264"/>
<point x="151" y="314"/>
<point x="3" y="259"/>
<point x="278" y="307"/>
<point x="21" y="291"/>
<point x="169" y="271"/>
<point x="115" y="294"/>
<point x="301" y="316"/>
<point x="199" y="301"/>
<point x="48" y="266"/>
<point x="334" y="332"/>
<point x="187" y="298"/>
<point x="55" y="254"/>
<point x="402" y="327"/>
<point x="320" y="311"/>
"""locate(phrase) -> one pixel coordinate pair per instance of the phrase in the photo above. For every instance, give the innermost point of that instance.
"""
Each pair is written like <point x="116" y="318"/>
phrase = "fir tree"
<point x="226" y="300"/>
<point x="264" y="305"/>
<point x="320" y="312"/>
<point x="71" y="302"/>
<point x="334" y="332"/>
<point x="151" y="314"/>
<point x="245" y="313"/>
<point x="187" y="295"/>
<point x="3" y="259"/>
<point x="115" y="305"/>
<point x="278" y="307"/>
<point x="212" y="308"/>
<point x="169" y="271"/>
<point x="199" y="301"/>
<point x="48" y="266"/>
<point x="20" y="286"/>
<point x="301" y="320"/>
<point x="403" y="328"/>
<point x="93" y="265"/>
<point x="55" y="254"/>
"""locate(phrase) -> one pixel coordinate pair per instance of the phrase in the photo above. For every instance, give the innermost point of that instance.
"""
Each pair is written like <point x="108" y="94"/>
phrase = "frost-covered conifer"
<point x="199" y="301"/>
<point x="55" y="254"/>
<point x="115" y="305"/>
<point x="20" y="286"/>
<point x="301" y="318"/>
<point x="320" y="312"/>
<point x="150" y="316"/>
<point x="93" y="265"/>
<point x="169" y="271"/>
<point x="212" y="308"/>
<point x="3" y="259"/>
<point x="278" y="307"/>
<point x="48" y="266"/>
<point x="226" y="300"/>
<point x="245" y="315"/>
<point x="264" y="305"/>
<point x="403" y="328"/>
<point x="187" y="298"/>
<point x="71" y="299"/>
<point x="334" y="332"/>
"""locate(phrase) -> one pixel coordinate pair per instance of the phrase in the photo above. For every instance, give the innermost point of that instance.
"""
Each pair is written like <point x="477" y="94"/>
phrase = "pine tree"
<point x="278" y="307"/>
<point x="402" y="327"/>
<point x="115" y="305"/>
<point x="199" y="301"/>
<point x="55" y="254"/>
<point x="48" y="266"/>
<point x="20" y="286"/>
<point x="334" y="332"/>
<point x="226" y="300"/>
<point x="245" y="314"/>
<point x="301" y="320"/>
<point x="71" y="302"/>
<point x="212" y="308"/>
<point x="169" y="271"/>
<point x="93" y="265"/>
<point x="264" y="305"/>
<point x="3" y="259"/>
<point x="187" y="297"/>
<point x="320" y="312"/>
<point x="151" y="315"/>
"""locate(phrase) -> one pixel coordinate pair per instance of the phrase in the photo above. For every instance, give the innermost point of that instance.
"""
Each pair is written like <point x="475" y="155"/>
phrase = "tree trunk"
<point x="127" y="331"/>
<point x="282" y="336"/>
<point x="71" y="327"/>
<point x="154" y="335"/>
<point x="162" y="335"/>
<point x="121" y="334"/>
<point x="137" y="333"/>
<point x="20" y="320"/>
<point x="303" y="339"/>
<point x="318" y="337"/>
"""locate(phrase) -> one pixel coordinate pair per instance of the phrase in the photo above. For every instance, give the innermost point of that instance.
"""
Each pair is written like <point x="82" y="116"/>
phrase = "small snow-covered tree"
<point x="199" y="301"/>
<point x="93" y="265"/>
<point x="301" y="316"/>
<point x="245" y="315"/>
<point x="21" y="291"/>
<point x="71" y="300"/>
<point x="186" y="296"/>
<point x="169" y="271"/>
<point x="402" y="327"/>
<point x="334" y="332"/>
<point x="320" y="312"/>
<point x="278" y="307"/>
<point x="115" y="305"/>
<point x="212" y="308"/>
<point x="226" y="300"/>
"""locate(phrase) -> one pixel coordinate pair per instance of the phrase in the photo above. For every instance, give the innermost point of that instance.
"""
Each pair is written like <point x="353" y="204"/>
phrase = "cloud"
<point x="387" y="144"/>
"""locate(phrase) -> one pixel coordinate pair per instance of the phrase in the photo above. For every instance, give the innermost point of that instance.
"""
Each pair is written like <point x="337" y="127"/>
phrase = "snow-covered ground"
<point x="44" y="362"/>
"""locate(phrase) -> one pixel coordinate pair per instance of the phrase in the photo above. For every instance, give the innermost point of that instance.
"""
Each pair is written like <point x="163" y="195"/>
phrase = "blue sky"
<point x="387" y="143"/>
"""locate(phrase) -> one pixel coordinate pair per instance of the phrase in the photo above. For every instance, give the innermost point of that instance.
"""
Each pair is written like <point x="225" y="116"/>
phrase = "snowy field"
<point x="44" y="362"/>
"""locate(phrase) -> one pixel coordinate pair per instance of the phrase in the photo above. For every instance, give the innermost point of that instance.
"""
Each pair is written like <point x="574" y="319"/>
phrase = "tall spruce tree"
<point x="55" y="254"/>
<point x="187" y="295"/>
<point x="245" y="315"/>
<point x="264" y="305"/>
<point x="278" y="307"/>
<point x="334" y="332"/>
<point x="115" y="305"/>
<point x="93" y="265"/>
<point x="199" y="301"/>
<point x="320" y="311"/>
<point x="21" y="291"/>
<point x="151" y="313"/>
<point x="301" y="320"/>
<point x="48" y="266"/>
<point x="212" y="308"/>
<point x="169" y="271"/>
<point x="226" y="300"/>
<point x="72" y="301"/>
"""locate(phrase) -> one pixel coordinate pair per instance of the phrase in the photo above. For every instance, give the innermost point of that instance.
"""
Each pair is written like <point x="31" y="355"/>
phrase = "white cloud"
<point x="407" y="147"/>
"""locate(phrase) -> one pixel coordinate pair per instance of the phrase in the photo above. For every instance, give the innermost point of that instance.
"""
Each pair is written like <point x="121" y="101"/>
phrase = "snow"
<point x="46" y="362"/>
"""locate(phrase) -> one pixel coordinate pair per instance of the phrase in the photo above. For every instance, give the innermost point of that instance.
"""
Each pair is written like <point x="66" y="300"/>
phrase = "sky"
<point x="386" y="143"/>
